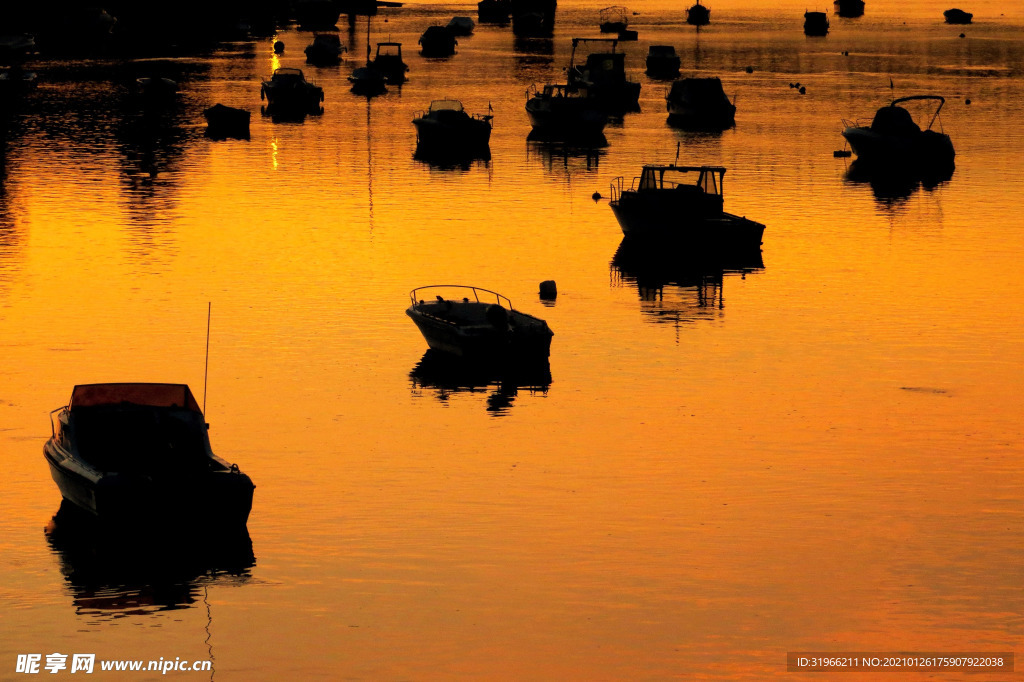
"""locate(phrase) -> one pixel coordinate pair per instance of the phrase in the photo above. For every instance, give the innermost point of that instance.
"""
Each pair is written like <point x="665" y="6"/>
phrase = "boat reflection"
<point x="565" y="157"/>
<point x="111" y="575"/>
<point x="674" y="287"/>
<point x="445" y="376"/>
<point x="896" y="185"/>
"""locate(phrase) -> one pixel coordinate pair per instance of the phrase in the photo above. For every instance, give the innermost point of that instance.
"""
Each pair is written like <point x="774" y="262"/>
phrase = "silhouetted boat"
<point x="560" y="113"/>
<point x="224" y="121"/>
<point x="155" y="90"/>
<point x="662" y="61"/>
<point x="317" y="14"/>
<point x="461" y="26"/>
<point x="132" y="451"/>
<point x="700" y="104"/>
<point x="894" y="140"/>
<point x="446" y="129"/>
<point x="437" y="41"/>
<point x="325" y="50"/>
<point x="477" y="323"/>
<point x="494" y="11"/>
<point x="849" y="8"/>
<point x="815" y="23"/>
<point x="957" y="16"/>
<point x="684" y="204"/>
<point x="368" y="81"/>
<point x="388" y="61"/>
<point x="15" y="47"/>
<point x="289" y="89"/>
<point x="603" y="78"/>
<point x="698" y="15"/>
<point x="533" y="18"/>
<point x="614" y="19"/>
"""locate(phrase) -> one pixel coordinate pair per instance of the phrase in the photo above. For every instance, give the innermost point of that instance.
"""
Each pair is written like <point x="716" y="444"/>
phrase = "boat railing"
<point x="479" y="295"/>
<point x="53" y="425"/>
<point x="616" y="189"/>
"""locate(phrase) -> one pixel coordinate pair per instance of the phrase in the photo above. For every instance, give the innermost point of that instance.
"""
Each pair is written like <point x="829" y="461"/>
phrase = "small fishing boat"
<point x="957" y="16"/>
<point x="155" y="90"/>
<point x="684" y="204"/>
<point x="698" y="15"/>
<point x="563" y="113"/>
<point x="614" y="19"/>
<point x="894" y="140"/>
<point x="494" y="11"/>
<point x="289" y="89"/>
<point x="476" y="323"/>
<point x="849" y="8"/>
<point x="224" y="121"/>
<point x="699" y="104"/>
<point x="131" y="452"/>
<point x="437" y="41"/>
<point x="815" y="24"/>
<point x="533" y="18"/>
<point x="662" y="61"/>
<point x="603" y="77"/>
<point x="461" y="26"/>
<point x="388" y="61"/>
<point x="368" y="81"/>
<point x="325" y="50"/>
<point x="446" y="129"/>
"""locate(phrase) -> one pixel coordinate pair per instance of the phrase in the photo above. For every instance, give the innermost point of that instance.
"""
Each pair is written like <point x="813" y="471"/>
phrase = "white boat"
<point x="471" y="322"/>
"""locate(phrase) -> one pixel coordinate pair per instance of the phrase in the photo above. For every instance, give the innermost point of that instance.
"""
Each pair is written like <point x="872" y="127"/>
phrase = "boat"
<point x="477" y="323"/>
<point x="16" y="47"/>
<point x="224" y="121"/>
<point x="815" y="24"/>
<point x="461" y="26"/>
<point x="493" y="11"/>
<point x="603" y="76"/>
<point x="15" y="81"/>
<point x="614" y="19"/>
<point x="849" y="8"/>
<point x="894" y="140"/>
<point x="446" y="129"/>
<point x="564" y="113"/>
<point x="662" y="61"/>
<point x="155" y="90"/>
<point x="368" y="81"/>
<point x="388" y="61"/>
<point x="700" y="104"/>
<point x="325" y="50"/>
<point x="289" y="89"/>
<point x="533" y="18"/>
<point x="698" y="15"/>
<point x="437" y="41"/>
<point x="132" y="452"/>
<point x="683" y="204"/>
<point x="957" y="16"/>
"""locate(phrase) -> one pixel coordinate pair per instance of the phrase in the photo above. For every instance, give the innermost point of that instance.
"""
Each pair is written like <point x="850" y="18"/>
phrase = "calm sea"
<point x="817" y="452"/>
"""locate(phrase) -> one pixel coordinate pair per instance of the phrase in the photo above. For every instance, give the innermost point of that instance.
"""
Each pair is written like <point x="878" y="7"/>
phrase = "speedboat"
<point x="368" y="81"/>
<point x="477" y="323"/>
<point x="224" y="121"/>
<point x="289" y="89"/>
<point x="685" y="204"/>
<point x="131" y="452"/>
<point x="662" y="61"/>
<point x="446" y="129"/>
<point x="815" y="24"/>
<point x="957" y="16"/>
<point x="461" y="26"/>
<point x="849" y="8"/>
<point x="325" y="50"/>
<point x="603" y="76"/>
<point x="701" y="104"/>
<point x="560" y="113"/>
<point x="614" y="19"/>
<point x="437" y="41"/>
<point x="894" y="140"/>
<point x="698" y="15"/>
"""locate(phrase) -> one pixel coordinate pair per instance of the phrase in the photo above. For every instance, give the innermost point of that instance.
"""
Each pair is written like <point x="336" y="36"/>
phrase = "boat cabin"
<point x="697" y="187"/>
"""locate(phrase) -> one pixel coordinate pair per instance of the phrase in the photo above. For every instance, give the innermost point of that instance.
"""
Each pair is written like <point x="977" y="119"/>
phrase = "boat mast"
<point x="206" y="368"/>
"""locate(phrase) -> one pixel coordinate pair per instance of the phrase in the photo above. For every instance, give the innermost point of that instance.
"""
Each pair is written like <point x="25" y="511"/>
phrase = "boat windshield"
<point x="445" y="105"/>
<point x="707" y="178"/>
<point x="389" y="49"/>
<point x="150" y="395"/>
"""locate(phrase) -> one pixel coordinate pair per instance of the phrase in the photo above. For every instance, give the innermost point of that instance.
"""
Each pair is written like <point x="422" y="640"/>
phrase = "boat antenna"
<point x="892" y="88"/>
<point x="678" y="142"/>
<point x="206" y="368"/>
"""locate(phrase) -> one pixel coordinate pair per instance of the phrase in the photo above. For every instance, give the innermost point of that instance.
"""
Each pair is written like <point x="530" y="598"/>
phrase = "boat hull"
<point x="566" y="119"/>
<point x="927" y="149"/>
<point x="436" y="137"/>
<point x="483" y="341"/>
<point x="640" y="220"/>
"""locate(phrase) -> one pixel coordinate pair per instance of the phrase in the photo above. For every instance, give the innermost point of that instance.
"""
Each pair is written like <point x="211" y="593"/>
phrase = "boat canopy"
<point x="708" y="178"/>
<point x="445" y="105"/>
<point x="151" y="395"/>
<point x="287" y="72"/>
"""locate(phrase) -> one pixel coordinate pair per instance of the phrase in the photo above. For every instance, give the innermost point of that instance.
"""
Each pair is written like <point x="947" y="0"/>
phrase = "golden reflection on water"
<point x="818" y="451"/>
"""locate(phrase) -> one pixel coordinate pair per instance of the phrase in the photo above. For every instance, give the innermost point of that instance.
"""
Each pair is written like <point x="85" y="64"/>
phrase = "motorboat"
<point x="223" y="121"/>
<point x="662" y="62"/>
<point x="683" y="204"/>
<point x="603" y="77"/>
<point x="533" y="18"/>
<point x="815" y="24"/>
<point x="289" y="89"/>
<point x="698" y="15"/>
<point x="894" y="140"/>
<point x="155" y="90"/>
<point x="132" y="452"/>
<point x="849" y="8"/>
<point x="564" y="113"/>
<point x="471" y="322"/>
<point x="368" y="81"/>
<point x="614" y="19"/>
<point x="446" y="129"/>
<point x="494" y="11"/>
<point x="16" y="47"/>
<point x="700" y="104"/>
<point x="325" y="50"/>
<point x="461" y="26"/>
<point x="437" y="41"/>
<point x="957" y="16"/>
<point x="388" y="61"/>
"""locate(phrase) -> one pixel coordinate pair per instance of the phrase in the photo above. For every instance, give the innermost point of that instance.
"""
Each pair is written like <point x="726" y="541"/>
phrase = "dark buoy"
<point x="278" y="47"/>
<point x="548" y="290"/>
<point x="596" y="196"/>
<point x="803" y="90"/>
<point x="967" y="101"/>
<point x="841" y="153"/>
<point x="750" y="69"/>
<point x="963" y="35"/>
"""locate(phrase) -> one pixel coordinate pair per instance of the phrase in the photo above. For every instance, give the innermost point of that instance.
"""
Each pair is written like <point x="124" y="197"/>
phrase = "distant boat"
<point x="698" y="15"/>
<point x="894" y="140"/>
<point x="289" y="89"/>
<point x="614" y="19"/>
<point x="957" y="16"/>
<point x="461" y="26"/>
<point x="533" y="18"/>
<point x="700" y="103"/>
<point x="325" y="50"/>
<point x="683" y="204"/>
<point x="132" y="452"/>
<point x="437" y="41"/>
<point x="563" y="113"/>
<point x="156" y="90"/>
<point x="477" y="323"/>
<point x="662" y="61"/>
<point x="368" y="81"/>
<point x="445" y="129"/>
<point x="224" y="121"/>
<point x="388" y="60"/>
<point x="603" y="77"/>
<point x="494" y="11"/>
<point x="849" y="8"/>
<point x="815" y="23"/>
